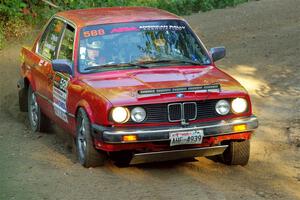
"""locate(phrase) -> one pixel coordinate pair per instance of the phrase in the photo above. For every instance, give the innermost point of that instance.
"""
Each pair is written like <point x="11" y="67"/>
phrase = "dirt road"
<point x="263" y="43"/>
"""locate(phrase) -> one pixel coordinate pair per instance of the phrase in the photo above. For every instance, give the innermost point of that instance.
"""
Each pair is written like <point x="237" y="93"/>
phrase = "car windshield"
<point x="139" y="45"/>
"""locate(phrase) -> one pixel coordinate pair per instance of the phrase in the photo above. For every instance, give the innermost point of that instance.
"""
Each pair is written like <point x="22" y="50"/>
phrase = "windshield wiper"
<point x="172" y="61"/>
<point x="142" y="64"/>
<point x="115" y="65"/>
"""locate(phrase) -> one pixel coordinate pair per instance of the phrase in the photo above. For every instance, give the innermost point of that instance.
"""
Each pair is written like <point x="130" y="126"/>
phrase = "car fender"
<point x="86" y="106"/>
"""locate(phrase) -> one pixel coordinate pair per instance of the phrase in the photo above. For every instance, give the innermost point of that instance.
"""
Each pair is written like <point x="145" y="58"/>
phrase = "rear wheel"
<point x="88" y="156"/>
<point x="37" y="120"/>
<point x="237" y="153"/>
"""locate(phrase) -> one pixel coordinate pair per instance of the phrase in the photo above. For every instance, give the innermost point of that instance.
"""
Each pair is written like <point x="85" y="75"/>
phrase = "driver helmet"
<point x="97" y="45"/>
<point x="93" y="49"/>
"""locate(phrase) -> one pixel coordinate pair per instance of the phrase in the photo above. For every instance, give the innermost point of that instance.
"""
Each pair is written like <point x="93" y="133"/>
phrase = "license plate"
<point x="186" y="137"/>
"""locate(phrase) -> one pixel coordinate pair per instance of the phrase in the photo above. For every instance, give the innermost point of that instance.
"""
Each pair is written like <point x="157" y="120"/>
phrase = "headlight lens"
<point x="138" y="114"/>
<point x="222" y="107"/>
<point x="120" y="114"/>
<point x="239" y="105"/>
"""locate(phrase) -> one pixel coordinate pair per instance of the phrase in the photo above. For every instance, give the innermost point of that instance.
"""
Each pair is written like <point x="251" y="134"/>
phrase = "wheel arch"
<point x="95" y="106"/>
<point x="86" y="106"/>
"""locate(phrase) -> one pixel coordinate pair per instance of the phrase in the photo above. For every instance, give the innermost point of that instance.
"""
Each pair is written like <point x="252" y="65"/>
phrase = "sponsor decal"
<point x="124" y="29"/>
<point x="60" y="95"/>
<point x="60" y="113"/>
<point x="96" y="31"/>
<point x="162" y="27"/>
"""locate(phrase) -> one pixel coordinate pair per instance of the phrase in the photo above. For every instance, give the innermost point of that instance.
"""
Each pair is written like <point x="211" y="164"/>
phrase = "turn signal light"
<point x="239" y="128"/>
<point x="129" y="138"/>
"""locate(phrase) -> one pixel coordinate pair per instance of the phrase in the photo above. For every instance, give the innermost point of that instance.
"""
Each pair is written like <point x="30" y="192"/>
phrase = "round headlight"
<point x="222" y="107"/>
<point x="138" y="114"/>
<point x="120" y="114"/>
<point x="239" y="105"/>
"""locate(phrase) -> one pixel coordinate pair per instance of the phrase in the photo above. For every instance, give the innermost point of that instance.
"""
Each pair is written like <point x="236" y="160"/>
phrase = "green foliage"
<point x="15" y="27"/>
<point x="11" y="8"/>
<point x="180" y="7"/>
<point x="17" y="14"/>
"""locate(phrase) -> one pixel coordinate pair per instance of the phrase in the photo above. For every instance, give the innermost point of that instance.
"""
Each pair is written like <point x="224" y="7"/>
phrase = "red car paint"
<point x="98" y="93"/>
<point x="94" y="16"/>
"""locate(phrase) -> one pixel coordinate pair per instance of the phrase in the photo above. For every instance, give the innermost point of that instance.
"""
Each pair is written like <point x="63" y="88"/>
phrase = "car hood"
<point x="121" y="87"/>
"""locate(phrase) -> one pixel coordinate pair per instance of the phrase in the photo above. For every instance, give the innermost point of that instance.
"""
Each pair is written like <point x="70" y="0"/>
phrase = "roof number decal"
<point x="93" y="33"/>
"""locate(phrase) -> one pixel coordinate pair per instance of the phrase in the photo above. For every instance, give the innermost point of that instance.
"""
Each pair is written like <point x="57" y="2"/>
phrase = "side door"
<point x="43" y="74"/>
<point x="61" y="81"/>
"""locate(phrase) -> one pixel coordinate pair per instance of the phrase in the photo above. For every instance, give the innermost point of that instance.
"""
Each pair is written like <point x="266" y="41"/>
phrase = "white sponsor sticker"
<point x="60" y="112"/>
<point x="60" y="95"/>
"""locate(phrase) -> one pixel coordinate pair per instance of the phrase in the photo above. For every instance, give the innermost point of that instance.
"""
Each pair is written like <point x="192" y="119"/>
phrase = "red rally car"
<point x="135" y="84"/>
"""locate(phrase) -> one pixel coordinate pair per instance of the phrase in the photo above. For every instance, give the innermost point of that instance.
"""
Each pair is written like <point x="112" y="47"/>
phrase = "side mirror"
<point x="218" y="53"/>
<point x="62" y="65"/>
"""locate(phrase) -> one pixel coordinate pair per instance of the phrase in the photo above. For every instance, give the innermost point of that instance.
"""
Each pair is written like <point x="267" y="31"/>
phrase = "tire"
<point x="37" y="120"/>
<point x="87" y="155"/>
<point x="237" y="153"/>
<point x="23" y="100"/>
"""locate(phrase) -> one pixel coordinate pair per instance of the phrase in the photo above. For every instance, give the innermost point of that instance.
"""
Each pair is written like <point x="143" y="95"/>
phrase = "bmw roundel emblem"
<point x="179" y="95"/>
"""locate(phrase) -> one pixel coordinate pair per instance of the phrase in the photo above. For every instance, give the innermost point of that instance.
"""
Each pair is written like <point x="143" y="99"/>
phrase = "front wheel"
<point x="37" y="120"/>
<point x="237" y="153"/>
<point x="88" y="156"/>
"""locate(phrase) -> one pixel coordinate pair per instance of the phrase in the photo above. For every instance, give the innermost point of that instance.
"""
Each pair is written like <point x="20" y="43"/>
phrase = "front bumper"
<point x="153" y="134"/>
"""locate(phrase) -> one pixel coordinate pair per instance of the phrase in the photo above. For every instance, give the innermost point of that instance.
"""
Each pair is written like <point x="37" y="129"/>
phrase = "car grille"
<point x="179" y="111"/>
<point x="173" y="112"/>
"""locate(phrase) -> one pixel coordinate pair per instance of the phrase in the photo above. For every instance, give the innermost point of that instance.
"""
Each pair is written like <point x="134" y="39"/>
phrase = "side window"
<point x="66" y="48"/>
<point x="50" y="39"/>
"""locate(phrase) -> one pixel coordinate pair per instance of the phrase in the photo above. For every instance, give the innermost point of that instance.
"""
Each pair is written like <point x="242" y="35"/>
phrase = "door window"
<point x="50" y="39"/>
<point x="66" y="48"/>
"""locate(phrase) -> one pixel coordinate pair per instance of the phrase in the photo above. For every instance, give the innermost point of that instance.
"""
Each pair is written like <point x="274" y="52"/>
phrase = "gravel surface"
<point x="263" y="45"/>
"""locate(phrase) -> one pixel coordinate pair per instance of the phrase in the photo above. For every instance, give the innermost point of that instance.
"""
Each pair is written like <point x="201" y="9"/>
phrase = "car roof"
<point x="94" y="16"/>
